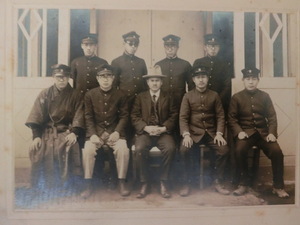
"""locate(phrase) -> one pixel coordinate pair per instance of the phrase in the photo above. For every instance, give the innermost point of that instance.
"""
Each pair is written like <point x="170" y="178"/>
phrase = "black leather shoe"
<point x="143" y="191"/>
<point x="164" y="190"/>
<point x="87" y="191"/>
<point x="185" y="190"/>
<point x="122" y="188"/>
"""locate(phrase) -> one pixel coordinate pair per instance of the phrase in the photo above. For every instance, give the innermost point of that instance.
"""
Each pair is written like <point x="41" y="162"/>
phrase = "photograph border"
<point x="277" y="214"/>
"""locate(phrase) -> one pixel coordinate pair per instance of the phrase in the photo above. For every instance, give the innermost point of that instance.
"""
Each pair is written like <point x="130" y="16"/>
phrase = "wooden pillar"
<point x="64" y="36"/>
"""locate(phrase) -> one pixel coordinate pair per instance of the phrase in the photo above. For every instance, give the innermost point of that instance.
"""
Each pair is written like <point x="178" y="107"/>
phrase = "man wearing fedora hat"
<point x="154" y="116"/>
<point x="252" y="119"/>
<point x="202" y="121"/>
<point x="56" y="119"/>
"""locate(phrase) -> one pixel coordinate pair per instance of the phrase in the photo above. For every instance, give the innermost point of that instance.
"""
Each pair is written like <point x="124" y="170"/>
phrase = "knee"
<point x="89" y="149"/>
<point x="183" y="150"/>
<point x="223" y="150"/>
<point x="276" y="153"/>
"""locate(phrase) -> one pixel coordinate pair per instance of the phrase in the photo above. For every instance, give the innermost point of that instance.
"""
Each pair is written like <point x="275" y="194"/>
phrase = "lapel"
<point x="148" y="101"/>
<point x="161" y="101"/>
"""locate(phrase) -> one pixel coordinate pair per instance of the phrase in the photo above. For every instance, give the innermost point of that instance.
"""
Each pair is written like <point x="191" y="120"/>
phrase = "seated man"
<point x="201" y="121"/>
<point x="106" y="116"/>
<point x="253" y="121"/>
<point x="154" y="117"/>
<point x="56" y="119"/>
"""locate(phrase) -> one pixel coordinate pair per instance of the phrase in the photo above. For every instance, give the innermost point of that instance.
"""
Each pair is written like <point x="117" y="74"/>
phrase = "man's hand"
<point x="113" y="137"/>
<point x="160" y="130"/>
<point x="151" y="130"/>
<point x="71" y="139"/>
<point x="187" y="141"/>
<point x="96" y="140"/>
<point x="35" y="144"/>
<point x="219" y="140"/>
<point x="271" y="138"/>
<point x="242" y="135"/>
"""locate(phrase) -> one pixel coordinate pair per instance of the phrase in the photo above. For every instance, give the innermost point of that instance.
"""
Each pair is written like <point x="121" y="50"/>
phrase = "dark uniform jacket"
<point x="129" y="72"/>
<point x="141" y="112"/>
<point x="83" y="72"/>
<point x="219" y="79"/>
<point x="178" y="72"/>
<point x="61" y="109"/>
<point x="105" y="111"/>
<point x="201" y="112"/>
<point x="252" y="112"/>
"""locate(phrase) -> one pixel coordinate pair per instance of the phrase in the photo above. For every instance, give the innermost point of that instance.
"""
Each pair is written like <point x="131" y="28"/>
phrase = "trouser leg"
<point x="241" y="151"/>
<point x="273" y="151"/>
<point x="220" y="155"/>
<point x="167" y="145"/>
<point x="88" y="159"/>
<point x="121" y="154"/>
<point x="142" y="147"/>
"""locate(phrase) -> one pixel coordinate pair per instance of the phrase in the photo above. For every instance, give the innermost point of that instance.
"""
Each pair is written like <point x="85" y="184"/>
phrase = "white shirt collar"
<point x="156" y="94"/>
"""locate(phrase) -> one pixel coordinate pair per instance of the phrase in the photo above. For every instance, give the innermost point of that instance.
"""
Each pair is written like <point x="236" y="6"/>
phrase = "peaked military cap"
<point x="105" y="69"/>
<point x="200" y="70"/>
<point x="90" y="39"/>
<point x="211" y="39"/>
<point x="171" y="39"/>
<point x="250" y="72"/>
<point x="155" y="72"/>
<point x="61" y="69"/>
<point x="131" y="36"/>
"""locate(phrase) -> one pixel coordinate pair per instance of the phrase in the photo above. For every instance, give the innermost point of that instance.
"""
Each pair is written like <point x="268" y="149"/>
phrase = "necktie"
<point x="155" y="109"/>
<point x="154" y="98"/>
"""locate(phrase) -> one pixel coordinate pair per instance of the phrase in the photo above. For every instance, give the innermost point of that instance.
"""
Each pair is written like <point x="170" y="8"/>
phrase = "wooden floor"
<point x="104" y="198"/>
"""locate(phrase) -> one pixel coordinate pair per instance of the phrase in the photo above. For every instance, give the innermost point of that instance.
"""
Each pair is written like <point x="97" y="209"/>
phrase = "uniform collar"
<point x="172" y="57"/>
<point x="106" y="92"/>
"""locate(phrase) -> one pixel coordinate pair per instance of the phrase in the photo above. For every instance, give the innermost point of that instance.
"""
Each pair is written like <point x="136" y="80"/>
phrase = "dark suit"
<point x="141" y="117"/>
<point x="202" y="115"/>
<point x="253" y="113"/>
<point x="219" y="79"/>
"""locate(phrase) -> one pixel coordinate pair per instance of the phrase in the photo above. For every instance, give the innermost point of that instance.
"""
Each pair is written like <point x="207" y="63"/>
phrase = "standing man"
<point x="219" y="76"/>
<point x="154" y="116"/>
<point x="130" y="68"/>
<point x="84" y="68"/>
<point x="55" y="120"/>
<point x="177" y="70"/>
<point x="252" y="119"/>
<point x="202" y="121"/>
<point x="106" y="116"/>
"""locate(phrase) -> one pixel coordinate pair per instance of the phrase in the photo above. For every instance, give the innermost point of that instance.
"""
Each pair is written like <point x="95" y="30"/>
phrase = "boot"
<point x="219" y="188"/>
<point x="122" y="188"/>
<point x="87" y="190"/>
<point x="185" y="190"/>
<point x="241" y="190"/>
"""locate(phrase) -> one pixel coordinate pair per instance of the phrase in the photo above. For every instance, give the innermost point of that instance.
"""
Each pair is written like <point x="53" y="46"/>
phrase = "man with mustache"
<point x="154" y="116"/>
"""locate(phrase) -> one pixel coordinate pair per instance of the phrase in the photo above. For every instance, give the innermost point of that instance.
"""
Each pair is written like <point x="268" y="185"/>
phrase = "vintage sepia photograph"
<point x="144" y="113"/>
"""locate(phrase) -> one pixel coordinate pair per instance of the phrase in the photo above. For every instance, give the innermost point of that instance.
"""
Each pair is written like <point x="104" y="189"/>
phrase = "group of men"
<point x="120" y="105"/>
